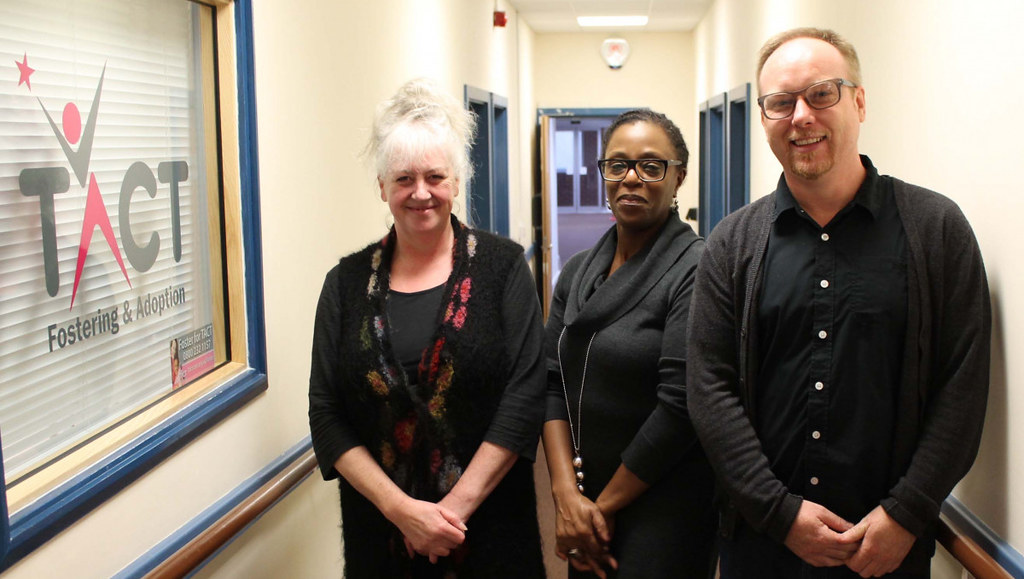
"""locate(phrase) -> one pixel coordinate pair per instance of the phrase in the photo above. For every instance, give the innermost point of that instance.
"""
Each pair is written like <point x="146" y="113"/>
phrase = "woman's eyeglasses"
<point x="647" y="170"/>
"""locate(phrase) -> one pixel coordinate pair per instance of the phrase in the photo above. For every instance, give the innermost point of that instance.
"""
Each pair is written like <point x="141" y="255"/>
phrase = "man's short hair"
<point x="830" y="36"/>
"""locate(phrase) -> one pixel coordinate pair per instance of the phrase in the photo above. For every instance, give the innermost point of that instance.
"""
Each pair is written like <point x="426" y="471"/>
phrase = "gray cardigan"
<point x="942" y="395"/>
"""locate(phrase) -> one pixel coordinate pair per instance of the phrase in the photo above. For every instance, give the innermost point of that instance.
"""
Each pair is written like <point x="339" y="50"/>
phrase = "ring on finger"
<point x="574" y="553"/>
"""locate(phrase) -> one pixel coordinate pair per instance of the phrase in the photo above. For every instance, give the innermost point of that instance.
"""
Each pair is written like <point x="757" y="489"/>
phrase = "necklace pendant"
<point x="577" y="464"/>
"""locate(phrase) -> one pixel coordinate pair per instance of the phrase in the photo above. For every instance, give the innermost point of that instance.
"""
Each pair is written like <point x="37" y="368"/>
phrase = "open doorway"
<point x="572" y="193"/>
<point x="579" y="193"/>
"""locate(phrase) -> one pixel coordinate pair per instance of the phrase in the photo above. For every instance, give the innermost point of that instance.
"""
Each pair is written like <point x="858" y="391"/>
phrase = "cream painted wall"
<point x="321" y="69"/>
<point x="527" y="128"/>
<point x="569" y="73"/>
<point x="942" y="81"/>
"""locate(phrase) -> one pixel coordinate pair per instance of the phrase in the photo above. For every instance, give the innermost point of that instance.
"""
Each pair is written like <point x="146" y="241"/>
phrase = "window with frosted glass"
<point x="111" y="233"/>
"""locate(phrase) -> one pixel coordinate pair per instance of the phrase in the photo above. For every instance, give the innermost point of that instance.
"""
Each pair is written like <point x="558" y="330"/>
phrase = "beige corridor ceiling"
<point x="560" y="15"/>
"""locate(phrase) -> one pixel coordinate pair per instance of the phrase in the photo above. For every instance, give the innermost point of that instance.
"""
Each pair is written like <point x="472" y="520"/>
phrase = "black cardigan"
<point x="481" y="379"/>
<point x="511" y="346"/>
<point x="942" y="396"/>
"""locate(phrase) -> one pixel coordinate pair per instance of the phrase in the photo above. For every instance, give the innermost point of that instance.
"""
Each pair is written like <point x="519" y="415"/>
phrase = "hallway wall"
<point x="941" y="81"/>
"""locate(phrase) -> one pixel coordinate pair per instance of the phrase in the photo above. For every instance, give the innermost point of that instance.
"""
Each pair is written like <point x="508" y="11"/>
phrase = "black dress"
<point x="634" y="400"/>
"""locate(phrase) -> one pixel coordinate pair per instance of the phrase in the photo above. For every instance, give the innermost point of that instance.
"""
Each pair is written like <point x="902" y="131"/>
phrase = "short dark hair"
<point x="830" y="36"/>
<point x="655" y="118"/>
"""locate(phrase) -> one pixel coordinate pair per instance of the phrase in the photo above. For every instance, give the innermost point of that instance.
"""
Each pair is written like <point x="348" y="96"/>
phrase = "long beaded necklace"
<point x="576" y="435"/>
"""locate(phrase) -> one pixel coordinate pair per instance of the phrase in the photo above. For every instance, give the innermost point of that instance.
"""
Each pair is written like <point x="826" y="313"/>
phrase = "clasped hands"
<point x="430" y="529"/>
<point x="583" y="533"/>
<point x="873" y="547"/>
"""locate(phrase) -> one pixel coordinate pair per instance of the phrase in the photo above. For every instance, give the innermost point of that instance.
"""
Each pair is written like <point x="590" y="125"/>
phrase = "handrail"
<point x="973" y="558"/>
<point x="189" y="557"/>
<point x="967" y="552"/>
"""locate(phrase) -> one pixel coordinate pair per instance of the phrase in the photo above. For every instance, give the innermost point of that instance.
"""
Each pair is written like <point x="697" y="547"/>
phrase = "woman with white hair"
<point x="427" y="383"/>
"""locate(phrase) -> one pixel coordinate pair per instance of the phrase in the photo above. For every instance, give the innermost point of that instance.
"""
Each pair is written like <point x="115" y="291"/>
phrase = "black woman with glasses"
<point x="631" y="486"/>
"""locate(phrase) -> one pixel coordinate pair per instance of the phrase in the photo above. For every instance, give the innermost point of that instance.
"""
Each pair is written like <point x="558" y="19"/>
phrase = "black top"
<point x="513" y="426"/>
<point x="627" y="331"/>
<point x="634" y="402"/>
<point x="412" y="320"/>
<point x="411" y="317"/>
<point x="832" y="319"/>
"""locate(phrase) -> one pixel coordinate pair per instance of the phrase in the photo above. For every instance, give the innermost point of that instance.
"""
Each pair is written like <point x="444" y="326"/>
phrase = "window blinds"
<point x="67" y="370"/>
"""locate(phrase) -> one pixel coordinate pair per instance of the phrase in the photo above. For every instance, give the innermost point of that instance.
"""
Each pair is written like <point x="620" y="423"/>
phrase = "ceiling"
<point x="560" y="15"/>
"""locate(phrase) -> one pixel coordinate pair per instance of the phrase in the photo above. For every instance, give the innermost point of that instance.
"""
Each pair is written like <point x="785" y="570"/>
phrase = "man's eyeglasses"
<point x="820" y="95"/>
<point x="647" y="170"/>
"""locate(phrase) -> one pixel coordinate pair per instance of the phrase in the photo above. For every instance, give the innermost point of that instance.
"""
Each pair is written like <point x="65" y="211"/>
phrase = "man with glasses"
<point x="838" y="342"/>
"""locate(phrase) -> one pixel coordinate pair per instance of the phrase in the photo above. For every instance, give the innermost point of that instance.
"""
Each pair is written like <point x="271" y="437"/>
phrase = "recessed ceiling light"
<point x="612" y="21"/>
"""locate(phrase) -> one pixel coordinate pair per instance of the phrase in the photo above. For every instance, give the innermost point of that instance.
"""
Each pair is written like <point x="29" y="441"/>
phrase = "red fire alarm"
<point x="500" y="19"/>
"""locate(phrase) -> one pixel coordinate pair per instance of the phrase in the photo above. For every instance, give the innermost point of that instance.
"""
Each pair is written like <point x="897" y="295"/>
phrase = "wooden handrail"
<point x="186" y="559"/>
<point x="973" y="558"/>
<point x="967" y="552"/>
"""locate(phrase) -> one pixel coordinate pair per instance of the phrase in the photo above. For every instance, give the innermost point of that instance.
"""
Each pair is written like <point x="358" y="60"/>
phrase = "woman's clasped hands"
<point x="429" y="529"/>
<point x="583" y="533"/>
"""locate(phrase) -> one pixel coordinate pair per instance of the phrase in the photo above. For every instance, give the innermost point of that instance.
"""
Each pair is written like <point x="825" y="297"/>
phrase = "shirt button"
<point x="824" y="283"/>
<point x="823" y="334"/>
<point x="824" y="237"/>
<point x="814" y="480"/>
<point x="816" y="435"/>
<point x="819" y="386"/>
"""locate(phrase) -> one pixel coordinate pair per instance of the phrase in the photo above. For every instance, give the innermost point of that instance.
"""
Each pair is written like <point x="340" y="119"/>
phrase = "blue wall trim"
<point x="59" y="508"/>
<point x="158" y="554"/>
<point x="967" y="523"/>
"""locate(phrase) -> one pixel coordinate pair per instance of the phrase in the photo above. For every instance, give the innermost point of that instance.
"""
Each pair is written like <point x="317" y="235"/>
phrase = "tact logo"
<point x="46" y="182"/>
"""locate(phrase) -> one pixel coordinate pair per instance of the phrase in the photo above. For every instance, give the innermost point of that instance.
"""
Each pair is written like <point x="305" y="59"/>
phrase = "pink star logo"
<point x="26" y="71"/>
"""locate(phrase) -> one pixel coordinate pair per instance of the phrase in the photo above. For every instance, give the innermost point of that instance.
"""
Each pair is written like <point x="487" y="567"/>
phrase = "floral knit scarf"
<point x="416" y="436"/>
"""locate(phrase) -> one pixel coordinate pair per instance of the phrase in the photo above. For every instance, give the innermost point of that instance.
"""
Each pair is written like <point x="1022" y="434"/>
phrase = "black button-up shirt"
<point x="831" y="321"/>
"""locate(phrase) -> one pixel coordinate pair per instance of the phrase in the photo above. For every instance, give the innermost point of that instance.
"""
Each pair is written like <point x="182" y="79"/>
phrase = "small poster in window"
<point x="192" y="355"/>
